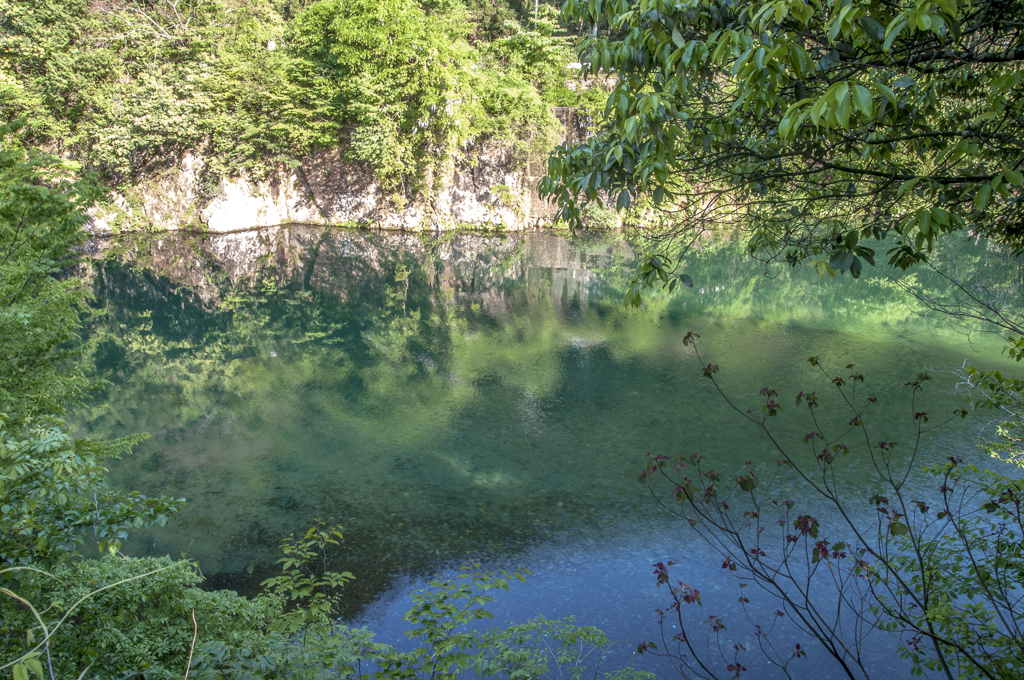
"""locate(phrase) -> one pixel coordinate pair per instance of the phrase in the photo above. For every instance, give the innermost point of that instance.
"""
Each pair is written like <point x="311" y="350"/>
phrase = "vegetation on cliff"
<point x="126" y="87"/>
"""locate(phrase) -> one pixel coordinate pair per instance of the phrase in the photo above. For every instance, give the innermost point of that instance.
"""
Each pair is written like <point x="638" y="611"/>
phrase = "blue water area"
<point x="489" y="399"/>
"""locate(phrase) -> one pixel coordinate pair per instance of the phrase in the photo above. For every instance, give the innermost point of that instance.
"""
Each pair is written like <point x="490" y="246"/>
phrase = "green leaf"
<point x="873" y="28"/>
<point x="862" y="101"/>
<point x="893" y="31"/>
<point x="623" y="202"/>
<point x="786" y="124"/>
<point x="981" y="198"/>
<point x="843" y="112"/>
<point x="907" y="186"/>
<point x="817" y="109"/>
<point x="36" y="666"/>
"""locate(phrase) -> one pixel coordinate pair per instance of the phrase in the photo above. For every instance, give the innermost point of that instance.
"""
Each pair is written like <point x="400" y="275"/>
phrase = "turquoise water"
<point x="469" y="398"/>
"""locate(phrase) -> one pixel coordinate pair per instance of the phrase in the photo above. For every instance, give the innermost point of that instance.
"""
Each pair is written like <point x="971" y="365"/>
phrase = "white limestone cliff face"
<point x="488" y="190"/>
<point x="241" y="204"/>
<point x="169" y="196"/>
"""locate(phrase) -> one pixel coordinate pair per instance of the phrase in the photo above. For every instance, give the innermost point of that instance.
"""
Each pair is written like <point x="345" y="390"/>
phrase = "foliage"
<point x="541" y="56"/>
<point x="597" y="217"/>
<point x="441" y="618"/>
<point x="119" y="616"/>
<point x="40" y="222"/>
<point x="304" y="576"/>
<point x="128" y="87"/>
<point x="55" y="495"/>
<point x="992" y="390"/>
<point x="122" y="616"/>
<point x="35" y="625"/>
<point x="944" y="582"/>
<point x="818" y="127"/>
<point x="1009" y="444"/>
<point x="515" y="651"/>
<point x="389" y="66"/>
<point x="116" y="615"/>
<point x="43" y="73"/>
<point x="52" y="485"/>
<point x="974" y="570"/>
<point x="300" y="599"/>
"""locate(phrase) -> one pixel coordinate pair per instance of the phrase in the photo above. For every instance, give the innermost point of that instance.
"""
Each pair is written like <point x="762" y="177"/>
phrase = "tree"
<point x="163" y="20"/>
<point x="817" y="126"/>
<point x="53" y="486"/>
<point x="40" y="230"/>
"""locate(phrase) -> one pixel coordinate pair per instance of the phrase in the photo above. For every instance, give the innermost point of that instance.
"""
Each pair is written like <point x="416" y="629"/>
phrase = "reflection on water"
<point x="458" y="398"/>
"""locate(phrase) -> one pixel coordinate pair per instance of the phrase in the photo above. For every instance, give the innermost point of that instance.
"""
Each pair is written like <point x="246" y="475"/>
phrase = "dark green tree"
<point x="40" y="231"/>
<point x="53" y="487"/>
<point x="818" y="127"/>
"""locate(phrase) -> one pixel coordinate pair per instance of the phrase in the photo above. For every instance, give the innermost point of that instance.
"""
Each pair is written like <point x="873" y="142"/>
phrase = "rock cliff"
<point x="488" y="190"/>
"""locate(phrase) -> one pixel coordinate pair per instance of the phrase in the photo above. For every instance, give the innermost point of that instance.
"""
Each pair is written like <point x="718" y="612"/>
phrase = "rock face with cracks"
<point x="490" y="190"/>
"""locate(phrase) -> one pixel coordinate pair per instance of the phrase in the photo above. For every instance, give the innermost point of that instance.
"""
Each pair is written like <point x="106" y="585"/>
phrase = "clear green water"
<point x="461" y="398"/>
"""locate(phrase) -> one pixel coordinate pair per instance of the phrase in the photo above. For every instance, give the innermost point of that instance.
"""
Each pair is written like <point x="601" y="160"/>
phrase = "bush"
<point x="600" y="218"/>
<point x="942" y="575"/>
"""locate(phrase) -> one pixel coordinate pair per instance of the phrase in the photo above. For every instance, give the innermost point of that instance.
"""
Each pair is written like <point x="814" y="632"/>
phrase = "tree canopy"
<point x="127" y="87"/>
<point x="819" y="126"/>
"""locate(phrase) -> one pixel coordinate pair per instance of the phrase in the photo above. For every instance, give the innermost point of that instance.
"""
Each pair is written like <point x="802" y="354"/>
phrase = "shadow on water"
<point x="461" y="398"/>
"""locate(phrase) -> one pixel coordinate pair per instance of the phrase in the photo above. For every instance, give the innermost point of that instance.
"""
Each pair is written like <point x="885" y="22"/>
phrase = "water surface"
<point x="468" y="398"/>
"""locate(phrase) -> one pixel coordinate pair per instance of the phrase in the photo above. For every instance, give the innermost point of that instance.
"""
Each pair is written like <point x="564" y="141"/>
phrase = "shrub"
<point x="942" y="575"/>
